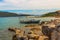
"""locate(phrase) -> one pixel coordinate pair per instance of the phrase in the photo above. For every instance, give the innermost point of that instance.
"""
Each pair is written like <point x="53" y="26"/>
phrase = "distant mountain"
<point x="26" y="15"/>
<point x="52" y="14"/>
<point x="8" y="14"/>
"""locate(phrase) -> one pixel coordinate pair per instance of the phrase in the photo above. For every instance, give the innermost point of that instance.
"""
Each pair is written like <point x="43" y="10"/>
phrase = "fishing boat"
<point x="30" y="21"/>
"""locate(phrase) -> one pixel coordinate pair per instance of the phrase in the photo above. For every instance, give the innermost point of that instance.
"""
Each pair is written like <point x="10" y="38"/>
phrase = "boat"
<point x="30" y="21"/>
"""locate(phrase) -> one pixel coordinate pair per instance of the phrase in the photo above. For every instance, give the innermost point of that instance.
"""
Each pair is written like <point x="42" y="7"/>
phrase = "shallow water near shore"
<point x="6" y="22"/>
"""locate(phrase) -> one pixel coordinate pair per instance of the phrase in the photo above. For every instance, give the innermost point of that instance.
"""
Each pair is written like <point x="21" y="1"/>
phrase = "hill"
<point x="52" y="14"/>
<point x="8" y="14"/>
<point x="26" y="15"/>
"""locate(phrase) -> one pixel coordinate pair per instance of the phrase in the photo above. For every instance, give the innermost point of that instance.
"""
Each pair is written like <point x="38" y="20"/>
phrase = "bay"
<point x="6" y="22"/>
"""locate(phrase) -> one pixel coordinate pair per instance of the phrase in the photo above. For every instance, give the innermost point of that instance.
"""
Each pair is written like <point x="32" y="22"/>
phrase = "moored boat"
<point x="30" y="21"/>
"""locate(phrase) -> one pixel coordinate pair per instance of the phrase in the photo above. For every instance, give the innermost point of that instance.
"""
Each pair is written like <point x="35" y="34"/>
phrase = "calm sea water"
<point x="6" y="22"/>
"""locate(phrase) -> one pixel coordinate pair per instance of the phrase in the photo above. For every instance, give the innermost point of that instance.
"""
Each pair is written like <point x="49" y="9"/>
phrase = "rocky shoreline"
<point x="42" y="31"/>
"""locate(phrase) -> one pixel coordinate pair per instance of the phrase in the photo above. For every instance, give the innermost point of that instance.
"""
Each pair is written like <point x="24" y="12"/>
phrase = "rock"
<point x="12" y="29"/>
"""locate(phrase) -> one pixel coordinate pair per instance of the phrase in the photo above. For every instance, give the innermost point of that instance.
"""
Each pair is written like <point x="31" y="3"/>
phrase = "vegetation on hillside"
<point x="51" y="14"/>
<point x="8" y="14"/>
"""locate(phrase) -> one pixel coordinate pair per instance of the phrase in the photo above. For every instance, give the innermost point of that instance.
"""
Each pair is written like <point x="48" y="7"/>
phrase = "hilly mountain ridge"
<point x="52" y="14"/>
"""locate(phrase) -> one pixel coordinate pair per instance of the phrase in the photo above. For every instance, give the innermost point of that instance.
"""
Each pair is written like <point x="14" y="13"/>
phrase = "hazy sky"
<point x="29" y="4"/>
<point x="25" y="6"/>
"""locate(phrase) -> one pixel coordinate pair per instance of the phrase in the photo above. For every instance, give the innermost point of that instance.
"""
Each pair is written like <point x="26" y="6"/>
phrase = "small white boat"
<point x="30" y="21"/>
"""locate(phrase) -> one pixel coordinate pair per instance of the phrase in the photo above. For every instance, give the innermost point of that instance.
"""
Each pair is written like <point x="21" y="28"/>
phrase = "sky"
<point x="25" y="5"/>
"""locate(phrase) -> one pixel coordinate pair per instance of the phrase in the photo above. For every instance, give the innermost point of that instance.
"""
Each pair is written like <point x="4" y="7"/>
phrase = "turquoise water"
<point x="6" y="22"/>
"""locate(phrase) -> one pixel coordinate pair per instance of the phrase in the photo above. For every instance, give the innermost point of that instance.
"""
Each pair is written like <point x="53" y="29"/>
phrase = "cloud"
<point x="29" y="4"/>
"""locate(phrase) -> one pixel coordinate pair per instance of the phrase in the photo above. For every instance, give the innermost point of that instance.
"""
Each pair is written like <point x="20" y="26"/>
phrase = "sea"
<point x="9" y="22"/>
<point x="12" y="22"/>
